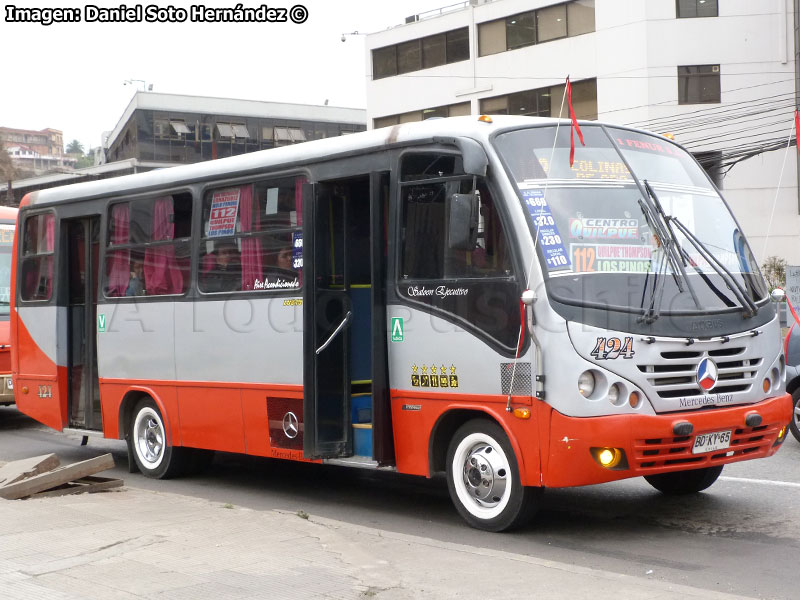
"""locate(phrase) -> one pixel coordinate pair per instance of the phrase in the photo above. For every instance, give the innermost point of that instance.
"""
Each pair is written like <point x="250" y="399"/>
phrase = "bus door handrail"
<point x="336" y="331"/>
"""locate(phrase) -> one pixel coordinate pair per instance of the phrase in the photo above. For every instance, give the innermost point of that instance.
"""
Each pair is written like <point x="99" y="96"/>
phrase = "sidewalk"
<point x="139" y="544"/>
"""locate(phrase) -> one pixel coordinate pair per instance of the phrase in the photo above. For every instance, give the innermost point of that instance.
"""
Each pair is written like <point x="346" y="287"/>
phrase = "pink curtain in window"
<point x="162" y="274"/>
<point x="250" y="220"/>
<point x="119" y="271"/>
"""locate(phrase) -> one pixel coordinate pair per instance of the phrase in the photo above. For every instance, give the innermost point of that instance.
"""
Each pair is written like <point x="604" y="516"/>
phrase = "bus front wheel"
<point x="684" y="482"/>
<point x="483" y="478"/>
<point x="154" y="456"/>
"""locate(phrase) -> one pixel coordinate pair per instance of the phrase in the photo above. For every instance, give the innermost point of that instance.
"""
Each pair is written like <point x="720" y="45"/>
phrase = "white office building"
<point x="718" y="75"/>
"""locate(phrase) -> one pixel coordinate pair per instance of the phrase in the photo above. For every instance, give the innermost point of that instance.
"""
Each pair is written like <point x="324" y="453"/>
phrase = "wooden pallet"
<point x="42" y="476"/>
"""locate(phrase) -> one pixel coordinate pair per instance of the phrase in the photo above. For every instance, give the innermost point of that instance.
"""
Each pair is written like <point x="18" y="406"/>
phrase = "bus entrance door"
<point x="82" y="247"/>
<point x="327" y="316"/>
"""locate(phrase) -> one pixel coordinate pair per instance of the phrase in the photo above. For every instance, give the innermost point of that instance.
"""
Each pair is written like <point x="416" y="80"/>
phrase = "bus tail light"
<point x="610" y="458"/>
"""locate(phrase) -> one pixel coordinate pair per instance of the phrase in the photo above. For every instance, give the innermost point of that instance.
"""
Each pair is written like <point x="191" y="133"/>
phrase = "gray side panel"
<point x="138" y="342"/>
<point x="249" y="341"/>
<point x="429" y="342"/>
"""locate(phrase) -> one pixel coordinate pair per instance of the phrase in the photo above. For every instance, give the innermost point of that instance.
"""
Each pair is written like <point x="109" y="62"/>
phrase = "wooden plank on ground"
<point x="87" y="485"/>
<point x="60" y="476"/>
<point x="27" y="467"/>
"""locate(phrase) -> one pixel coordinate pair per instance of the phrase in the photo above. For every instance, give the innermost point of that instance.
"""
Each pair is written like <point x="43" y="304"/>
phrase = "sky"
<point x="70" y="76"/>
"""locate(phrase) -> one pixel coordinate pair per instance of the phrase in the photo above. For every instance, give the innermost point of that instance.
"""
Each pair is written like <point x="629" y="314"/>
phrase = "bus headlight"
<point x="614" y="394"/>
<point x="586" y="384"/>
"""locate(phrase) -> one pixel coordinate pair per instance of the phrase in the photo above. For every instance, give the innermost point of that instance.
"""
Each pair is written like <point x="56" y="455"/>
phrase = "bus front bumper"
<point x="649" y="444"/>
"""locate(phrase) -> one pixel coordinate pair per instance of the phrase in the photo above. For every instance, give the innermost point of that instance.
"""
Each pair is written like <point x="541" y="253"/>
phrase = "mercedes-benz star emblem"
<point x="707" y="374"/>
<point x="290" y="425"/>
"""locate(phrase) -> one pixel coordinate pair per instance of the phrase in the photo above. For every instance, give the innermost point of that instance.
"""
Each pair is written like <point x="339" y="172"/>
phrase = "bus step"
<point x="359" y="462"/>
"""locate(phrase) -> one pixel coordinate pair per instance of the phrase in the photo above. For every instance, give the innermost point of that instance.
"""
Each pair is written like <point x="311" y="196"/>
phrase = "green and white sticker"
<point x="397" y="329"/>
<point x="101" y="323"/>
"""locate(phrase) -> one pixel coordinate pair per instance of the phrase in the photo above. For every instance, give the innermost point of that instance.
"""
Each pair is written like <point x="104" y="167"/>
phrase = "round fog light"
<point x="586" y="384"/>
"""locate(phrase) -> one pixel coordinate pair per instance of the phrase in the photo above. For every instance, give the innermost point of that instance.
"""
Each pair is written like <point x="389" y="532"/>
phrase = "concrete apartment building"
<point x="718" y="75"/>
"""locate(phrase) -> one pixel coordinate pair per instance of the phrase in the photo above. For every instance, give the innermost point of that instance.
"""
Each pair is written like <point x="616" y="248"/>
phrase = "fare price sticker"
<point x="549" y="238"/>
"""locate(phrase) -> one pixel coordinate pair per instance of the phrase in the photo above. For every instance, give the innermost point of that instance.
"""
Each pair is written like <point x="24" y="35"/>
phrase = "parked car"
<point x="792" y="349"/>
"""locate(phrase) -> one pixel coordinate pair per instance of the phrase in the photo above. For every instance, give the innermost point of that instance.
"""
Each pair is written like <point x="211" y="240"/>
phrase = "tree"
<point x="774" y="269"/>
<point x="75" y="147"/>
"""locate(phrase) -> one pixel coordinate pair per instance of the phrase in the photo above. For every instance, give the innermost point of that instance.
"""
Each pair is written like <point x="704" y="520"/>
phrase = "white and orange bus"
<point x="447" y="296"/>
<point x="8" y="220"/>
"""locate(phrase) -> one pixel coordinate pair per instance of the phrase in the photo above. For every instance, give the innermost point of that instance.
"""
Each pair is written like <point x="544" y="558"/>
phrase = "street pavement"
<point x="134" y="543"/>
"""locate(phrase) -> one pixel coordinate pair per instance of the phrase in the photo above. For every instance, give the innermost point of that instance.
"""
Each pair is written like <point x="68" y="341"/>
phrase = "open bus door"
<point x="346" y="408"/>
<point x="327" y="314"/>
<point x="81" y="238"/>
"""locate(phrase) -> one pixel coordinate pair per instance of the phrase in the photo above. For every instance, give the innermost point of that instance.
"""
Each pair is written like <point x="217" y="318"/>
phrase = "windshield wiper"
<point x="672" y="251"/>
<point x="741" y="294"/>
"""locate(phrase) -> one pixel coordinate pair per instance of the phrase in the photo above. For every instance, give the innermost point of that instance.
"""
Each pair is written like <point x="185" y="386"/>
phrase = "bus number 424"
<point x="612" y="348"/>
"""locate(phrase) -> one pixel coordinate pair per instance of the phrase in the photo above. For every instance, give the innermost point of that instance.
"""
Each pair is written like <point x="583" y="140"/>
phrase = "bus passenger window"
<point x="37" y="257"/>
<point x="148" y="248"/>
<point x="260" y="225"/>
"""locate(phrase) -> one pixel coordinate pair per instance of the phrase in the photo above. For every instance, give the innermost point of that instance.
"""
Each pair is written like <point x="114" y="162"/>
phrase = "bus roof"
<point x="284" y="157"/>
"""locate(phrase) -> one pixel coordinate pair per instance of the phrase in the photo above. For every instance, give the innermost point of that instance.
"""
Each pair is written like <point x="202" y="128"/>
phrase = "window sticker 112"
<point x="613" y="348"/>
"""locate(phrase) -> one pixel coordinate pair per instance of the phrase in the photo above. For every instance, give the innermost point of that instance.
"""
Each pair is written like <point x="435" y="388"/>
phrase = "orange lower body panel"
<point x="650" y="445"/>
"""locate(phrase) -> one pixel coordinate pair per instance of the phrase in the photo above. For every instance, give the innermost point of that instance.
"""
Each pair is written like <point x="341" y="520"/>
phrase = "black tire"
<point x="684" y="482"/>
<point x="794" y="424"/>
<point x="483" y="478"/>
<point x="147" y="440"/>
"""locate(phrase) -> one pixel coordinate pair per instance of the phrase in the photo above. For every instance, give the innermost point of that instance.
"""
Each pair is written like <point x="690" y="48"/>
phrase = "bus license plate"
<point x="710" y="442"/>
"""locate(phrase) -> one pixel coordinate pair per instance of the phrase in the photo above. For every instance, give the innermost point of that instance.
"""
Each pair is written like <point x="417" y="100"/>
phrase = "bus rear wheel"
<point x="484" y="481"/>
<point x="154" y="456"/>
<point x="684" y="482"/>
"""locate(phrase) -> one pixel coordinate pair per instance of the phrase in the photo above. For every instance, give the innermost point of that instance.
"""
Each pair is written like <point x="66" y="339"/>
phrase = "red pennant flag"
<point x="797" y="129"/>
<point x="574" y="125"/>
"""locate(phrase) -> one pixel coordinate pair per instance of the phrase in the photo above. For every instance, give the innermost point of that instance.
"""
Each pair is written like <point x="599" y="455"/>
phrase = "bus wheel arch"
<point x="483" y="477"/>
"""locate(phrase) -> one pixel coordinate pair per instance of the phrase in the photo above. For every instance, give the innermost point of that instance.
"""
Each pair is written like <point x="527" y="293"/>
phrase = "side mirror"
<point x="777" y="295"/>
<point x="462" y="212"/>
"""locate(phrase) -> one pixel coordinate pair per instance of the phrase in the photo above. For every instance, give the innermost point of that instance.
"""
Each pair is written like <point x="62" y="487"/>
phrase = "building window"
<point x="536" y="26"/>
<point x="409" y="57"/>
<point x="521" y="30"/>
<point x="689" y="9"/>
<point x="423" y="53"/>
<point x="551" y="23"/>
<point x="545" y="102"/>
<point x="580" y="17"/>
<point x="457" y="45"/>
<point x="453" y="110"/>
<point x="698" y="84"/>
<point x="434" y="51"/>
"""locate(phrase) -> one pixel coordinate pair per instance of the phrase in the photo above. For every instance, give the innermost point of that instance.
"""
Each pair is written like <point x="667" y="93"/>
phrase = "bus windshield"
<point x="660" y="236"/>
<point x="6" y="242"/>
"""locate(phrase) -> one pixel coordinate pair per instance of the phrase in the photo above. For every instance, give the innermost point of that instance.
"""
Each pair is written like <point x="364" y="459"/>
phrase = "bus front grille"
<point x="676" y="376"/>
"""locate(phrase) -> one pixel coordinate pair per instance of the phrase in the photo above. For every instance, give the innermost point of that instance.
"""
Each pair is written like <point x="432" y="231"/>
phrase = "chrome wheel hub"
<point x="485" y="475"/>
